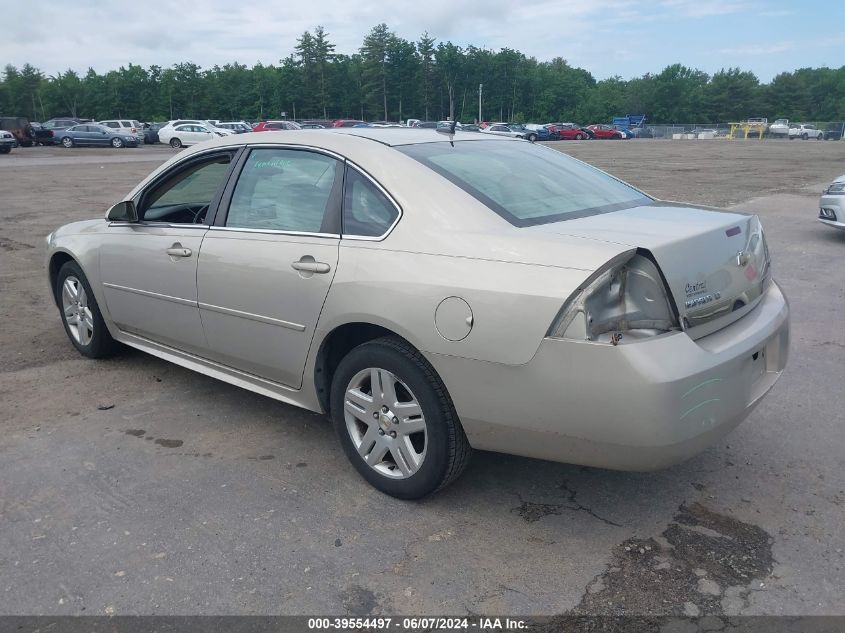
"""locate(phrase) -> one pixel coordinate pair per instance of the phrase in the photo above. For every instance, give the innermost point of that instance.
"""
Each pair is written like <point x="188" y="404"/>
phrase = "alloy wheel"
<point x="77" y="314"/>
<point x="385" y="422"/>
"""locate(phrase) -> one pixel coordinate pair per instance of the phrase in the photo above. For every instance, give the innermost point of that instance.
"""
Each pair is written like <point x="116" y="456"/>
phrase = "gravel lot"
<point x="132" y="486"/>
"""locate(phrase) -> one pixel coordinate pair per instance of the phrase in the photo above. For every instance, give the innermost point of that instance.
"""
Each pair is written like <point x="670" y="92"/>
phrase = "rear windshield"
<point x="524" y="183"/>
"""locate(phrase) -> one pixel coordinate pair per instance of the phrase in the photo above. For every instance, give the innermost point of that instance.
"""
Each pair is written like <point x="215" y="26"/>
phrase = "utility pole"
<point x="480" y="86"/>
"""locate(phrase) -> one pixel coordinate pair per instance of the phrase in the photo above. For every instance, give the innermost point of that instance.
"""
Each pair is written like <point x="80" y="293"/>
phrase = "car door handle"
<point x="311" y="267"/>
<point x="177" y="250"/>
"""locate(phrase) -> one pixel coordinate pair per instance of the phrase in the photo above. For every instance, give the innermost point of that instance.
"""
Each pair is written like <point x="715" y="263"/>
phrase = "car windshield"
<point x="526" y="184"/>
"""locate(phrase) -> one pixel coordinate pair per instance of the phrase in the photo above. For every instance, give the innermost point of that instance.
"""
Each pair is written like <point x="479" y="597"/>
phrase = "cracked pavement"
<point x="190" y="496"/>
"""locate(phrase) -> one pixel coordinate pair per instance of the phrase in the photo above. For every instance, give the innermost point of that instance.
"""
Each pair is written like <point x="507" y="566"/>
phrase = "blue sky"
<point x="613" y="37"/>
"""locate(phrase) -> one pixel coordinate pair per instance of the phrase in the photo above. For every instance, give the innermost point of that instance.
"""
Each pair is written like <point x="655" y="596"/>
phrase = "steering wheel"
<point x="199" y="216"/>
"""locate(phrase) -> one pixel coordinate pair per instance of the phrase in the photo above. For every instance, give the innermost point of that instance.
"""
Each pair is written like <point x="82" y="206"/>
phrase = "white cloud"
<point x="760" y="49"/>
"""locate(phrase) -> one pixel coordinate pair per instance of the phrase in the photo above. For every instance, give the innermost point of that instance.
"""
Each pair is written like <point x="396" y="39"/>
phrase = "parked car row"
<point x="70" y="132"/>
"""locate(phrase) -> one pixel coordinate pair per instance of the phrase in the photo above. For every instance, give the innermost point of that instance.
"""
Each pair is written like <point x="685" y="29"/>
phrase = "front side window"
<point x="285" y="190"/>
<point x="184" y="196"/>
<point x="524" y="183"/>
<point x="366" y="210"/>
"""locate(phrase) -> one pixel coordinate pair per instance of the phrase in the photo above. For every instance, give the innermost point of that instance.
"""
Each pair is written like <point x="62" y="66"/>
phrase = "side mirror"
<point x="123" y="212"/>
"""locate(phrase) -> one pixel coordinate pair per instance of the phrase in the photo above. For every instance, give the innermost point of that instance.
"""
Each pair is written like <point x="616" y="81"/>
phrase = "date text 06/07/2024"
<point x="410" y="624"/>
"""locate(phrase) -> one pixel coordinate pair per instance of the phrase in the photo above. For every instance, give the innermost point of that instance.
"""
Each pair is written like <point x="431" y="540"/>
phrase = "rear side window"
<point x="366" y="211"/>
<point x="526" y="184"/>
<point x="285" y="190"/>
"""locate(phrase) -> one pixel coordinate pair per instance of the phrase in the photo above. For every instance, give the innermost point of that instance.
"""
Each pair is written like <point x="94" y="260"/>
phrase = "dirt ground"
<point x="131" y="486"/>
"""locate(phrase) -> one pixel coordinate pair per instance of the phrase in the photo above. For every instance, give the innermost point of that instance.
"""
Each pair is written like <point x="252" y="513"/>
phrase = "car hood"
<point x="715" y="262"/>
<point x="82" y="226"/>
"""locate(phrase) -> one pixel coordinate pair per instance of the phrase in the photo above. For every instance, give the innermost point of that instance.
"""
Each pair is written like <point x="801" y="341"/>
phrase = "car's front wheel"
<point x="67" y="141"/>
<point x="175" y="143"/>
<point x="532" y="137"/>
<point x="117" y="143"/>
<point x="395" y="420"/>
<point x="81" y="315"/>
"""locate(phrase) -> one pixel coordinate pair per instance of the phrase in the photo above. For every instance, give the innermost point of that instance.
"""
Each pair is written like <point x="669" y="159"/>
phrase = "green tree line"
<point x="391" y="78"/>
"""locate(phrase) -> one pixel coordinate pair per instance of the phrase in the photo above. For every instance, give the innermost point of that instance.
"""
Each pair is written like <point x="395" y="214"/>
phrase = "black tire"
<point x="101" y="344"/>
<point x="67" y="142"/>
<point x="532" y="137"/>
<point x="175" y="143"/>
<point x="579" y="137"/>
<point x="5" y="149"/>
<point x="117" y="143"/>
<point x="805" y="136"/>
<point x="447" y="451"/>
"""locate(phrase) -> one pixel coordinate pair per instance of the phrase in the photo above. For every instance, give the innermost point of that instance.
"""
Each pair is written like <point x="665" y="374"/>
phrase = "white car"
<point x="188" y="134"/>
<point x="126" y="127"/>
<point x="832" y="204"/>
<point x="203" y="122"/>
<point x="500" y="129"/>
<point x="805" y="131"/>
<point x="779" y="128"/>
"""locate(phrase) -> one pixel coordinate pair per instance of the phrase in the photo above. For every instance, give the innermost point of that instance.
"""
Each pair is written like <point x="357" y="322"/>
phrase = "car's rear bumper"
<point x="636" y="406"/>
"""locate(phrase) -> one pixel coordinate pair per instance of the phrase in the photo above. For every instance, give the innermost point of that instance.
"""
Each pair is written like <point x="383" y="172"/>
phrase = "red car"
<point x="603" y="131"/>
<point x="275" y="126"/>
<point x="567" y="132"/>
<point x="346" y="123"/>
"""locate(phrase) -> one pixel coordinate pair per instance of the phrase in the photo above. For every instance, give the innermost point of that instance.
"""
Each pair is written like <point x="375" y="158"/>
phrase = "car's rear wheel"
<point x="81" y="315"/>
<point x="117" y="143"/>
<point x="805" y="136"/>
<point x="395" y="420"/>
<point x="532" y="137"/>
<point x="67" y="141"/>
<point x="175" y="143"/>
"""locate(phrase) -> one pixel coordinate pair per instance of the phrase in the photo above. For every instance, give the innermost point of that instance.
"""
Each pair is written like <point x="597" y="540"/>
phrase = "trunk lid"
<point x="715" y="262"/>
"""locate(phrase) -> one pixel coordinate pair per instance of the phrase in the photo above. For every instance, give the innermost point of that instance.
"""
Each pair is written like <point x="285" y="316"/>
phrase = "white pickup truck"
<point x="805" y="131"/>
